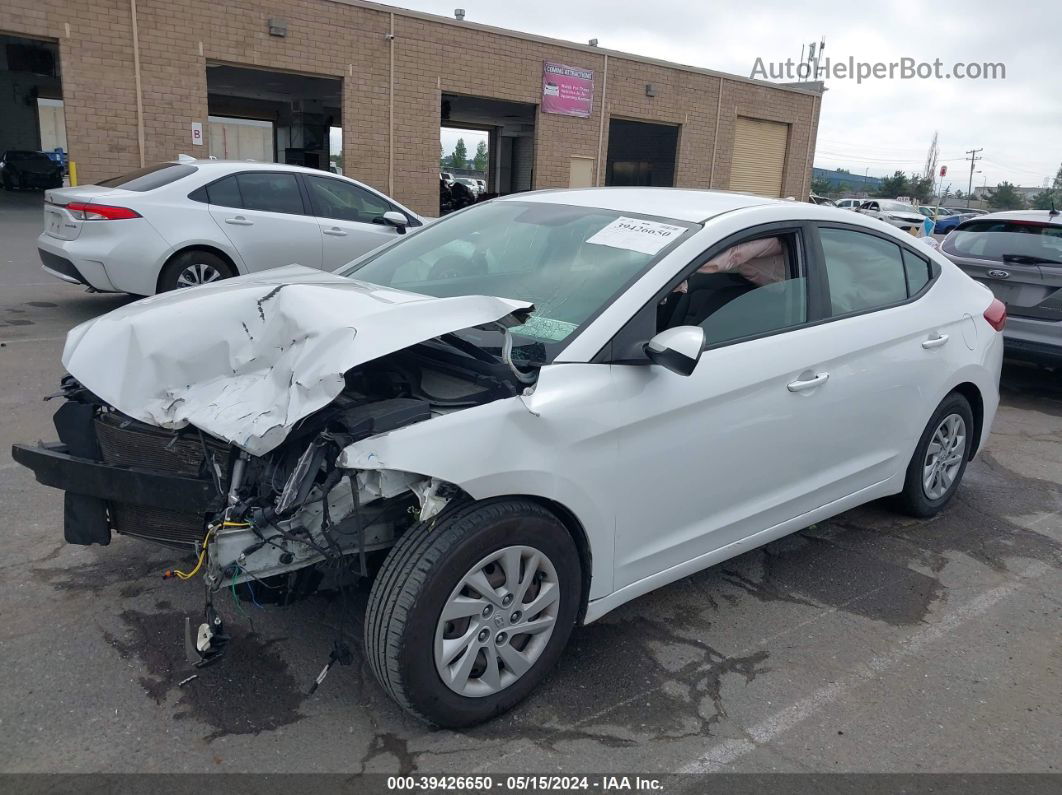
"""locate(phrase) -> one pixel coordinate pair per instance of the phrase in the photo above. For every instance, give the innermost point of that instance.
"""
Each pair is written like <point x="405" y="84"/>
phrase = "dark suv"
<point x="1019" y="256"/>
<point x="24" y="169"/>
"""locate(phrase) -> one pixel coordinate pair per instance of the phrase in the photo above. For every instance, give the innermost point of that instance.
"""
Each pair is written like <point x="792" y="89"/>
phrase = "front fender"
<point x="546" y="445"/>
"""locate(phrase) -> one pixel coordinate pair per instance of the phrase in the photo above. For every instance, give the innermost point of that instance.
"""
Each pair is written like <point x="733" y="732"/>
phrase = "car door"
<point x="265" y="217"/>
<point x="350" y="218"/>
<point x="734" y="448"/>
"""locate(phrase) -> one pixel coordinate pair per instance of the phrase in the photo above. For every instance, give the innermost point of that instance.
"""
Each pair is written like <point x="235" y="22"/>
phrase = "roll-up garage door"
<point x="759" y="156"/>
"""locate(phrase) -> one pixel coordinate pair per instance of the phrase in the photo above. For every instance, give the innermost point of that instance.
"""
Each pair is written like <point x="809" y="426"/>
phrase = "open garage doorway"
<point x="265" y="115"/>
<point x="32" y="119"/>
<point x="496" y="153"/>
<point x="640" y="153"/>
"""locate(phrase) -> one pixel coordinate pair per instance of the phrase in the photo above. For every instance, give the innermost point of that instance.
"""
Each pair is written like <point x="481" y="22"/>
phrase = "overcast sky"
<point x="881" y="125"/>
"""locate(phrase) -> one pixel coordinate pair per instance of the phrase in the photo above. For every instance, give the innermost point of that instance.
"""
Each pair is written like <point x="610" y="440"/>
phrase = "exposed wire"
<point x="198" y="564"/>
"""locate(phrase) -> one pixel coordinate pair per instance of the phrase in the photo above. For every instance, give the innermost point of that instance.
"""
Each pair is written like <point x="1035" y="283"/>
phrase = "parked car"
<point x="190" y="222"/>
<point x="947" y="223"/>
<point x="849" y="204"/>
<point x="814" y="198"/>
<point x="525" y="415"/>
<point x="1019" y="256"/>
<point x="471" y="184"/>
<point x="24" y="169"/>
<point x="902" y="216"/>
<point x="447" y="177"/>
<point x="482" y="184"/>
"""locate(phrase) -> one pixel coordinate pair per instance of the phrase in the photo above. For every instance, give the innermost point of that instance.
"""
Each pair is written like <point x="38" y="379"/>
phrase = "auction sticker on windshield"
<point x="634" y="234"/>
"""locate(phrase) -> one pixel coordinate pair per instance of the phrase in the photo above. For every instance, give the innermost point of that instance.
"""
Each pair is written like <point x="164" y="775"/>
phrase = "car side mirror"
<point x="397" y="220"/>
<point x="678" y="349"/>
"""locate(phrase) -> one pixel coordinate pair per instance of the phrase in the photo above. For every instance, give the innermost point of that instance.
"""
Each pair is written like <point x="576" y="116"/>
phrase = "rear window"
<point x="149" y="178"/>
<point x="994" y="239"/>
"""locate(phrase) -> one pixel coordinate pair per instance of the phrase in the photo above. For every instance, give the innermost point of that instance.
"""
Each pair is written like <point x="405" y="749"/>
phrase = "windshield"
<point x="897" y="207"/>
<point x="984" y="239"/>
<point x="570" y="262"/>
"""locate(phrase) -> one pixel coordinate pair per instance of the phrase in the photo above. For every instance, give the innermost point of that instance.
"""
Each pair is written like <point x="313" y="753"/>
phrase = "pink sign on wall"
<point x="567" y="90"/>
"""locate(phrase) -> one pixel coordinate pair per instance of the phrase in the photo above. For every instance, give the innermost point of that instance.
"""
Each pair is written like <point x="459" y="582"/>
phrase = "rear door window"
<point x="270" y="191"/>
<point x="145" y="179"/>
<point x="225" y="192"/>
<point x="996" y="239"/>
<point x="864" y="271"/>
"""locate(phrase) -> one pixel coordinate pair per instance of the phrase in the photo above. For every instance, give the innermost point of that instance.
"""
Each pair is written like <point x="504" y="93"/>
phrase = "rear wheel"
<point x="193" y="268"/>
<point x="469" y="614"/>
<point x="939" y="460"/>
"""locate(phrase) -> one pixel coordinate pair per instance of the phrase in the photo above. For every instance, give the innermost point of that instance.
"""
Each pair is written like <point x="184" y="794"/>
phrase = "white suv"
<point x="188" y="222"/>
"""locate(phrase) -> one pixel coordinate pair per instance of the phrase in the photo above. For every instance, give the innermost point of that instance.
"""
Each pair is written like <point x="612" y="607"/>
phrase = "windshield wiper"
<point x="1028" y="259"/>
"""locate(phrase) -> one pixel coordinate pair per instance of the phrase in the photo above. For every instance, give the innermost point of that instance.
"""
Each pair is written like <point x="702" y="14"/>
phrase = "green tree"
<point x="442" y="157"/>
<point x="919" y="188"/>
<point x="1046" y="199"/>
<point x="894" y="186"/>
<point x="479" y="161"/>
<point x="1057" y="185"/>
<point x="459" y="157"/>
<point x="821" y="186"/>
<point x="1005" y="197"/>
<point x="958" y="194"/>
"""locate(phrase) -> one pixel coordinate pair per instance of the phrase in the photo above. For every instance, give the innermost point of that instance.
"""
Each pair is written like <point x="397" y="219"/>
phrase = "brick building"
<point x="138" y="77"/>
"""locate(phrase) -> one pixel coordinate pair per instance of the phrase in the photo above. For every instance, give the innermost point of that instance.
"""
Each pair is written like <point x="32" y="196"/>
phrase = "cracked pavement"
<point x="871" y="642"/>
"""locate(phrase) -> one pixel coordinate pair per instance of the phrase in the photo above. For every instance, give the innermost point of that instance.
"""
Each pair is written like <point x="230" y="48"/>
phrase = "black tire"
<point x="418" y="577"/>
<point x="913" y="500"/>
<point x="173" y="269"/>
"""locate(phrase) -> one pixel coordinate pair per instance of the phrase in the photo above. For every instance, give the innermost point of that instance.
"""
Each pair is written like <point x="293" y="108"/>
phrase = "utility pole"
<point x="973" y="158"/>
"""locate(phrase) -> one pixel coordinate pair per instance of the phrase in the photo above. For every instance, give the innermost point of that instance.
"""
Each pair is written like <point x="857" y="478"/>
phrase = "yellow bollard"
<point x="72" y="167"/>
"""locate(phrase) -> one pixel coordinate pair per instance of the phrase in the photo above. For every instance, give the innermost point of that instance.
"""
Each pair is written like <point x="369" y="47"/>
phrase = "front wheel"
<point x="939" y="460"/>
<point x="468" y="614"/>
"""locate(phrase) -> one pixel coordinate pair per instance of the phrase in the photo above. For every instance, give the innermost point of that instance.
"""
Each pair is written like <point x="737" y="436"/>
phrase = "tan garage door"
<point x="759" y="156"/>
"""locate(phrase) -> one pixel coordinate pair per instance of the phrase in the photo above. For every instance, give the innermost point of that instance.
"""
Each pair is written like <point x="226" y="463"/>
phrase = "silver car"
<point x="902" y="216"/>
<point x="189" y="222"/>
<point x="1019" y="256"/>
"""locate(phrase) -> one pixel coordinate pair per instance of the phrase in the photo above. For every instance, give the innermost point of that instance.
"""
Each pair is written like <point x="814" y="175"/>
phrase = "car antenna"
<point x="1052" y="211"/>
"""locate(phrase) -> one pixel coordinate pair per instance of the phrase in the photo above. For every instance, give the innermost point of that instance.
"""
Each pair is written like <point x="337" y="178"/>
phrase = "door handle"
<point x="811" y="383"/>
<point x="239" y="220"/>
<point x="336" y="231"/>
<point x="935" y="342"/>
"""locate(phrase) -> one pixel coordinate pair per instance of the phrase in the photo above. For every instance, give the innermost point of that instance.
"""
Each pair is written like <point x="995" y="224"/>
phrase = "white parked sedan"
<point x="190" y="222"/>
<point x="902" y="216"/>
<point x="525" y="415"/>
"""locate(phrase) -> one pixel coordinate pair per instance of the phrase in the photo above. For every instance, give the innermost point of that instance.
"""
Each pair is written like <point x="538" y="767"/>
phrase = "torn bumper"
<point x="54" y="466"/>
<point x="121" y="476"/>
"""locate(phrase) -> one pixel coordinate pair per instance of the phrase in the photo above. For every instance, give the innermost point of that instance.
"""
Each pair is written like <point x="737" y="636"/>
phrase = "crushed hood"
<point x="245" y="359"/>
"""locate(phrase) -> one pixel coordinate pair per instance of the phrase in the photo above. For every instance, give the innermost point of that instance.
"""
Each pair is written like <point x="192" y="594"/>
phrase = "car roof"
<point x="1042" y="216"/>
<point x="260" y="165"/>
<point x="678" y="203"/>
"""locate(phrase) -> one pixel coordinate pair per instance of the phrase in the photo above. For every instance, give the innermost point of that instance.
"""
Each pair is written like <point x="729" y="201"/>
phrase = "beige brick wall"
<point x="336" y="39"/>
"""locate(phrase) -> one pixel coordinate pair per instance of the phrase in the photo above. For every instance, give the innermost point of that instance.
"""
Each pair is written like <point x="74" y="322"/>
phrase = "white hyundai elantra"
<point x="525" y="415"/>
<point x="191" y="222"/>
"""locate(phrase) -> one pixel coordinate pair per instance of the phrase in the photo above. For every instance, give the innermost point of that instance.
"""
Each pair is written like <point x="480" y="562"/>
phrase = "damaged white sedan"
<point x="525" y="415"/>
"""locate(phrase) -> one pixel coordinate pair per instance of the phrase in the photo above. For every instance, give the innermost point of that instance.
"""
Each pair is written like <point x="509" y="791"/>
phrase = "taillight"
<point x="100" y="212"/>
<point x="996" y="314"/>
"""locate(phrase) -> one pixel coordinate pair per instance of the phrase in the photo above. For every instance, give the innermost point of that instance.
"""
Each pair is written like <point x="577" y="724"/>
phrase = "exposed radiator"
<point x="126" y="442"/>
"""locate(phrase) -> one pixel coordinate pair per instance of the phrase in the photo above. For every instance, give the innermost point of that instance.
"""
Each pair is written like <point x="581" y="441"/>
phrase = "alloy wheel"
<point x="497" y="621"/>
<point x="944" y="456"/>
<point x="196" y="274"/>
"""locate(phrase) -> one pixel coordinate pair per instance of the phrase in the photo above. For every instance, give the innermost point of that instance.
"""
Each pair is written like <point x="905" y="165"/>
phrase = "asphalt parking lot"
<point x="872" y="642"/>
